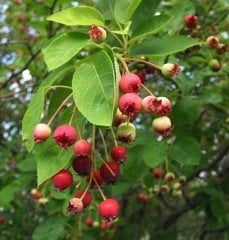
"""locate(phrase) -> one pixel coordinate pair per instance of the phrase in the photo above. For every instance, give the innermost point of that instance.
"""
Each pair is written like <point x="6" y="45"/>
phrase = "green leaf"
<point x="50" y="229"/>
<point x="94" y="89"/>
<point x="27" y="165"/>
<point x="123" y="10"/>
<point x="63" y="47"/>
<point x="155" y="153"/>
<point x="150" y="26"/>
<point x="185" y="151"/>
<point x="82" y="15"/>
<point x="50" y="159"/>
<point x="163" y="46"/>
<point x="33" y="114"/>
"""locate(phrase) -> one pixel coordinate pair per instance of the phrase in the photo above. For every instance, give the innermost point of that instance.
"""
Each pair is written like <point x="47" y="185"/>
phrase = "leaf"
<point x="27" y="165"/>
<point x="155" y="153"/>
<point x="163" y="46"/>
<point x="82" y="15"/>
<point x="150" y="26"/>
<point x="50" y="159"/>
<point x="185" y="151"/>
<point x="33" y="114"/>
<point x="106" y="8"/>
<point x="123" y="10"/>
<point x="51" y="229"/>
<point x="94" y="89"/>
<point x="63" y="47"/>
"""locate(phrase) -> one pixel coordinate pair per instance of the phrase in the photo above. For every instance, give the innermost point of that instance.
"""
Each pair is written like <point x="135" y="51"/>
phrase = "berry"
<point x="95" y="224"/>
<point x="43" y="201"/>
<point x="177" y="186"/>
<point x="82" y="165"/>
<point x="118" y="154"/>
<point x="156" y="190"/>
<point x="158" y="173"/>
<point x="96" y="175"/>
<point x="148" y="103"/>
<point x="130" y="104"/>
<point x="86" y="199"/>
<point x="119" y="118"/>
<point x="82" y="148"/>
<point x="190" y="21"/>
<point x="89" y="221"/>
<point x="36" y="194"/>
<point x="142" y="75"/>
<point x="130" y="83"/>
<point x="182" y="180"/>
<point x="41" y="132"/>
<point x="212" y="42"/>
<point x="141" y="197"/>
<point x="2" y="219"/>
<point x="62" y="180"/>
<point x="65" y="136"/>
<point x="126" y="132"/>
<point x="110" y="171"/>
<point x="170" y="70"/>
<point x="109" y="209"/>
<point x="105" y="225"/>
<point x="75" y="206"/>
<point x="214" y="65"/>
<point x="221" y="48"/>
<point x="162" y="125"/>
<point x="170" y="177"/>
<point x="97" y="34"/>
<point x="164" y="189"/>
<point x="177" y="193"/>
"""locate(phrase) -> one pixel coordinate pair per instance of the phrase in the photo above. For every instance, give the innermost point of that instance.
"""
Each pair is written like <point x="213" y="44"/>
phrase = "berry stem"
<point x="115" y="36"/>
<point x="114" y="138"/>
<point x="106" y="165"/>
<point x="78" y="129"/>
<point x="93" y="146"/>
<point x="79" y="183"/>
<point x="85" y="191"/>
<point x="59" y="86"/>
<point x="59" y="108"/>
<point x="147" y="90"/>
<point x="104" y="144"/>
<point x="72" y="116"/>
<point x="144" y="61"/>
<point x="99" y="188"/>
<point x="121" y="59"/>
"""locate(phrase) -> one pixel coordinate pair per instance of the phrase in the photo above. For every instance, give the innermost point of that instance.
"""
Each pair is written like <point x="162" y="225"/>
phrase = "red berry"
<point x="2" y="219"/>
<point x="86" y="199"/>
<point x="158" y="173"/>
<point x="96" y="175"/>
<point x="110" y="171"/>
<point x="82" y="165"/>
<point x="190" y="21"/>
<point x="109" y="209"/>
<point x="130" y="104"/>
<point x="89" y="221"/>
<point x="126" y="132"/>
<point x="97" y="34"/>
<point x="105" y="225"/>
<point x="212" y="42"/>
<point x="162" y="125"/>
<point x="65" y="136"/>
<point x="62" y="180"/>
<point x="170" y="70"/>
<point x="119" y="118"/>
<point x="141" y="197"/>
<point x="130" y="83"/>
<point x="118" y="154"/>
<point x="41" y="132"/>
<point x="75" y="206"/>
<point x="36" y="194"/>
<point x="82" y="148"/>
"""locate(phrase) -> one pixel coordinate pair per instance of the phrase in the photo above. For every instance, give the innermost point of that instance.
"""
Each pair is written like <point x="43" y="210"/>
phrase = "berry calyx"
<point x="158" y="173"/>
<point x="118" y="154"/>
<point x="126" y="132"/>
<point x="170" y="177"/>
<point x="162" y="125"/>
<point x="86" y="199"/>
<point x="110" y="171"/>
<point x="130" y="104"/>
<point x="141" y="197"/>
<point x="109" y="209"/>
<point x="89" y="222"/>
<point x="41" y="132"/>
<point x="82" y="165"/>
<point x="95" y="177"/>
<point x="212" y="42"/>
<point x="65" y="136"/>
<point x="75" y="206"/>
<point x="97" y="34"/>
<point x="82" y="148"/>
<point x="170" y="70"/>
<point x="214" y="65"/>
<point x="190" y="21"/>
<point x="119" y="118"/>
<point x="36" y="194"/>
<point x="130" y="83"/>
<point x="62" y="180"/>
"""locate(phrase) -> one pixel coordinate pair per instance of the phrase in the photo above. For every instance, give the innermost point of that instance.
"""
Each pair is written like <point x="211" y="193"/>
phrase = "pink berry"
<point x="89" y="221"/>
<point x="62" y="180"/>
<point x="82" y="165"/>
<point x="65" y="136"/>
<point x="190" y="21"/>
<point x="170" y="70"/>
<point x="158" y="173"/>
<point x="99" y="180"/>
<point x="86" y="199"/>
<point x="36" y="194"/>
<point x="41" y="132"/>
<point x="110" y="171"/>
<point x="130" y="83"/>
<point x="109" y="209"/>
<point x="118" y="154"/>
<point x="130" y="104"/>
<point x="75" y="206"/>
<point x="97" y="34"/>
<point x="162" y="125"/>
<point x="212" y="42"/>
<point x="82" y="148"/>
<point x="141" y="197"/>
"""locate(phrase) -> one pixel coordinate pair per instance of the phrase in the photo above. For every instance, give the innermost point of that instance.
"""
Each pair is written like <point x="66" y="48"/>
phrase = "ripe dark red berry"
<point x="130" y="83"/>
<point x="158" y="173"/>
<point x="109" y="209"/>
<point x="190" y="21"/>
<point x="86" y="199"/>
<point x="41" y="132"/>
<point x="110" y="171"/>
<point x="96" y="175"/>
<point x="118" y="154"/>
<point x="82" y="148"/>
<point x="65" y="136"/>
<point x="62" y="180"/>
<point x="82" y="165"/>
<point x="162" y="125"/>
<point x="97" y="34"/>
<point x="130" y="104"/>
<point x="141" y="197"/>
<point x="75" y="206"/>
<point x="89" y="221"/>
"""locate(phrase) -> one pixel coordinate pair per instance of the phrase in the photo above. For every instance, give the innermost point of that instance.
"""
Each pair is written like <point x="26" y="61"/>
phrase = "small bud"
<point x="214" y="65"/>
<point x="177" y="193"/>
<point x="164" y="189"/>
<point x="221" y="48"/>
<point x="162" y="125"/>
<point x="182" y="180"/>
<point x="212" y="42"/>
<point x="170" y="70"/>
<point x="190" y="21"/>
<point x="126" y="132"/>
<point x="156" y="190"/>
<point x="95" y="224"/>
<point x="177" y="186"/>
<point x="43" y="201"/>
<point x="97" y="34"/>
<point x="169" y="177"/>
